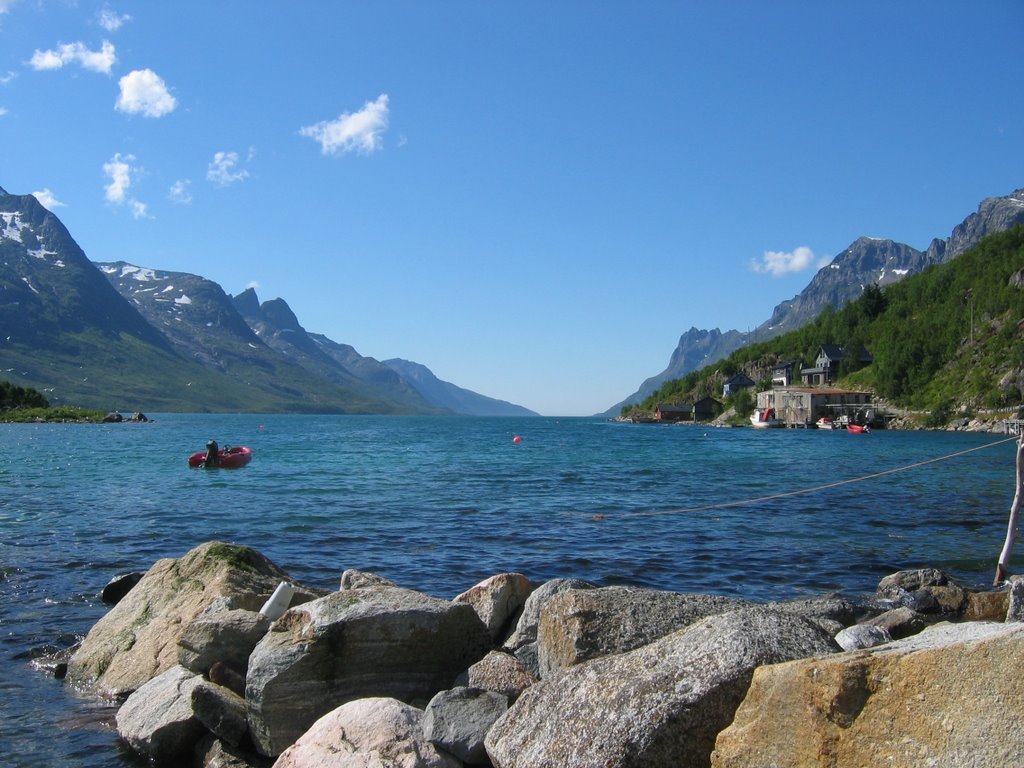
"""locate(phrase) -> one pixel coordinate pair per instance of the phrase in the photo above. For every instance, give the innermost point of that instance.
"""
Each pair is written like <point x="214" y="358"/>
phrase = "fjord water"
<point x="437" y="504"/>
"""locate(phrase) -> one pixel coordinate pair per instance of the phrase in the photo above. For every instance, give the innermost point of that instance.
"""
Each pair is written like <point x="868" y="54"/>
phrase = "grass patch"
<point x="61" y="414"/>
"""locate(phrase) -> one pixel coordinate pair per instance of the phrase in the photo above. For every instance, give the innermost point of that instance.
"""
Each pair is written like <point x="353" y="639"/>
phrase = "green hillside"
<point x="948" y="337"/>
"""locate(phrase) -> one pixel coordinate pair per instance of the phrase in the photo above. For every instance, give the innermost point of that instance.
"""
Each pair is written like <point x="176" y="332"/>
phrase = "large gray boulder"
<point x="457" y="721"/>
<point x="829" y="611"/>
<point x="660" y="705"/>
<point x="360" y="643"/>
<point x="138" y="638"/>
<point x="580" y="624"/>
<point x="157" y="719"/>
<point x="367" y="733"/>
<point x="498" y="601"/>
<point x="224" y="636"/>
<point x="526" y="627"/>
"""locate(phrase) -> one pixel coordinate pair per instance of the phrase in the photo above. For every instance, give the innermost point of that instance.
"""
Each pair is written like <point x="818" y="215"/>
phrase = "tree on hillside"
<point x="12" y="396"/>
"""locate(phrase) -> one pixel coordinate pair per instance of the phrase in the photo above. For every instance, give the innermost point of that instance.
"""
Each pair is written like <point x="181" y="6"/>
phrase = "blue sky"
<point x="532" y="199"/>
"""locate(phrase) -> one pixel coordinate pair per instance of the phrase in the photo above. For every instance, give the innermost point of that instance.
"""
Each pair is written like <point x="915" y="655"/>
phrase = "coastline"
<point x="506" y="671"/>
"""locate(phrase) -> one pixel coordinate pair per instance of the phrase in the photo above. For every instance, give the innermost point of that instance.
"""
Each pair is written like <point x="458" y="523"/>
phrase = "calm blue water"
<point x="437" y="504"/>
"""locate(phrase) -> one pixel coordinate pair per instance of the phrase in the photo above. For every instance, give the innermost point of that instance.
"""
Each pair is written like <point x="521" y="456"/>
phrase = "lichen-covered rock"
<point x="658" y="706"/>
<point x="498" y="601"/>
<point x="138" y="638"/>
<point x="367" y="733"/>
<point x="986" y="606"/>
<point x="580" y="624"/>
<point x="157" y="719"/>
<point x="948" y="696"/>
<point x="500" y="672"/>
<point x="370" y="642"/>
<point x="457" y="721"/>
<point x="224" y="636"/>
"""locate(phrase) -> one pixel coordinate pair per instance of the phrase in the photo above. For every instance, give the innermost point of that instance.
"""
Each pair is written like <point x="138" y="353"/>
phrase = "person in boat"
<point x="212" y="454"/>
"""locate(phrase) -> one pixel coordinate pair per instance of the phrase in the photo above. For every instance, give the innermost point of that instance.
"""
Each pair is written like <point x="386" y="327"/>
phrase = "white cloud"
<point x="356" y="132"/>
<point x="47" y="199"/>
<point x="6" y="5"/>
<point x="120" y="170"/>
<point x="179" y="192"/>
<point x="779" y="263"/>
<point x="252" y="284"/>
<point x="101" y="61"/>
<point x="144" y="92"/>
<point x="5" y="79"/>
<point x="112" y="21"/>
<point x="223" y="169"/>
<point x="3" y="111"/>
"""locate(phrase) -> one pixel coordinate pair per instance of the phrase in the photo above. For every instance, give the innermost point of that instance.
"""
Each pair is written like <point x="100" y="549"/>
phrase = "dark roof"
<point x="740" y="378"/>
<point x="705" y="401"/>
<point x="831" y="351"/>
<point x="675" y="407"/>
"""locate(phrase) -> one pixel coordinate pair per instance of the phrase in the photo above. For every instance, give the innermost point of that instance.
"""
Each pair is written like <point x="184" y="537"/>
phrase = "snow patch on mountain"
<point x="42" y="253"/>
<point x="11" y="225"/>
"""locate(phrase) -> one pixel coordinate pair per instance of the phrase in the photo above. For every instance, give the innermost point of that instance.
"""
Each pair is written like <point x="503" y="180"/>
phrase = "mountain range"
<point x="122" y="337"/>
<point x="867" y="261"/>
<point x="116" y="336"/>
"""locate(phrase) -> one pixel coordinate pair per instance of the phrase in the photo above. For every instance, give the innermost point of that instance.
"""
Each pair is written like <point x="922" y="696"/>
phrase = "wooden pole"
<point x="1011" y="528"/>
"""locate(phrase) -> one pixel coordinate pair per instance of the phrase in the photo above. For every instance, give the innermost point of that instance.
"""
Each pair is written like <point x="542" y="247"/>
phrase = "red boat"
<point x="232" y="457"/>
<point x="858" y="429"/>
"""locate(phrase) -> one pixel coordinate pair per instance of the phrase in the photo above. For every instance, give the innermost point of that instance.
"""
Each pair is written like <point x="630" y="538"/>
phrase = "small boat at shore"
<point x="858" y="429"/>
<point x="826" y="423"/>
<point x="765" y="419"/>
<point x="231" y="457"/>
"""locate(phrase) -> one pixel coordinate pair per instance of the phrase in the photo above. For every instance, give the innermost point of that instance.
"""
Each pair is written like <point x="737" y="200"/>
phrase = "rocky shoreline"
<point x="210" y="670"/>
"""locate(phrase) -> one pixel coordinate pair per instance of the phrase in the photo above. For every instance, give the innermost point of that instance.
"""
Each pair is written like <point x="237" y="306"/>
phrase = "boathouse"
<point x="706" y="409"/>
<point x="803" y="406"/>
<point x="673" y="412"/>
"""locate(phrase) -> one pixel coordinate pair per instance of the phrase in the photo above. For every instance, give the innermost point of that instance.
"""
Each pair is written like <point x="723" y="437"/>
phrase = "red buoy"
<point x="517" y="439"/>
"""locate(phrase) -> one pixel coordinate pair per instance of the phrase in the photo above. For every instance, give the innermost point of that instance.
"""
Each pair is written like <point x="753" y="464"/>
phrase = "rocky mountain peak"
<point x="247" y="303"/>
<point x="994" y="214"/>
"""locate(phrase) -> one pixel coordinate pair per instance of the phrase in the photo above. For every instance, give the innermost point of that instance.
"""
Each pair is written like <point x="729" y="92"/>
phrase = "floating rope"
<point x="786" y="494"/>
